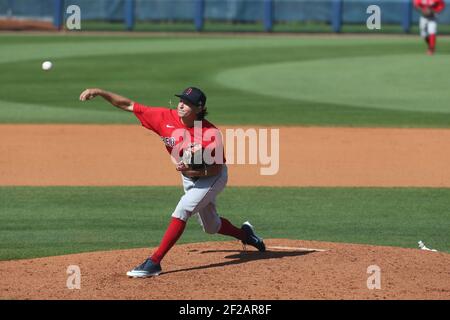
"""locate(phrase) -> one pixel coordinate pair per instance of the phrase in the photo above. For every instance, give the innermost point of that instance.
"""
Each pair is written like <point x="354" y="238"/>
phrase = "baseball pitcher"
<point x="195" y="145"/>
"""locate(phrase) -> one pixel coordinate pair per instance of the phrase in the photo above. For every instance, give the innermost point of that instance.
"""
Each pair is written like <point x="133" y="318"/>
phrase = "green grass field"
<point x="329" y="81"/>
<point x="308" y="81"/>
<point x="61" y="220"/>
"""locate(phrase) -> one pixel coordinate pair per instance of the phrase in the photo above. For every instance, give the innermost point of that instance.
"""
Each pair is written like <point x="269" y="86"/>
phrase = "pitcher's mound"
<point x="290" y="269"/>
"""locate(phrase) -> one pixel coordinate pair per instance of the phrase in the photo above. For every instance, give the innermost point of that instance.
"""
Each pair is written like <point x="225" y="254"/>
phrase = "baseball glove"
<point x="193" y="157"/>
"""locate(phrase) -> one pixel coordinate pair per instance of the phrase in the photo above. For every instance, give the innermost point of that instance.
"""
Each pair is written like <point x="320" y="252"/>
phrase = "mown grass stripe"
<point x="60" y="220"/>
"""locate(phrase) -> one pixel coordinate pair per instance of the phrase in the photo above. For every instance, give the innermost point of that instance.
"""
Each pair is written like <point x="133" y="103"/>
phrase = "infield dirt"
<point x="128" y="155"/>
<point x="43" y="155"/>
<point x="222" y="270"/>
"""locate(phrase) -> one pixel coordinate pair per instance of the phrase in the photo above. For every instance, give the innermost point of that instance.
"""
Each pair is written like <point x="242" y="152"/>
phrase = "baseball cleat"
<point x="252" y="239"/>
<point x="145" y="270"/>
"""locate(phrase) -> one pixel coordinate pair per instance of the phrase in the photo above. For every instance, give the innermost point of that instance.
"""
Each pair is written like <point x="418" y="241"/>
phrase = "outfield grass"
<point x="310" y="89"/>
<point x="359" y="88"/>
<point x="48" y="221"/>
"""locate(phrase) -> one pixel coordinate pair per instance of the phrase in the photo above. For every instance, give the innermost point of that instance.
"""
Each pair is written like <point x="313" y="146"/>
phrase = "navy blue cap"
<point x="194" y="96"/>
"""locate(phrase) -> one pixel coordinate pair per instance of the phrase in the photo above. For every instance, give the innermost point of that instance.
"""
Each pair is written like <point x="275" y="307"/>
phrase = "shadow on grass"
<point x="241" y="256"/>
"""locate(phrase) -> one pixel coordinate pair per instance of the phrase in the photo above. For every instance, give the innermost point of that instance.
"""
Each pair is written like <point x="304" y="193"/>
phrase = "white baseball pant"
<point x="200" y="199"/>
<point x="427" y="26"/>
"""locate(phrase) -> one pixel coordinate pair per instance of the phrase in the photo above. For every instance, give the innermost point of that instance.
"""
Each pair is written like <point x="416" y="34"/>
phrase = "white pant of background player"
<point x="427" y="26"/>
<point x="200" y="199"/>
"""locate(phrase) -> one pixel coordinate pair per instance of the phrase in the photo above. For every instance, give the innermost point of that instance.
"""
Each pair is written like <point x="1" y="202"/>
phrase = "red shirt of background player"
<point x="165" y="121"/>
<point x="436" y="5"/>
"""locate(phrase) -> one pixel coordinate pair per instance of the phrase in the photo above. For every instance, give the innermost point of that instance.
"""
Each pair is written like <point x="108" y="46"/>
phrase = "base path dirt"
<point x="222" y="270"/>
<point x="129" y="155"/>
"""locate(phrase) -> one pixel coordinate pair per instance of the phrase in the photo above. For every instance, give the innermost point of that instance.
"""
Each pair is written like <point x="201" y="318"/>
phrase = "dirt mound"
<point x="222" y="270"/>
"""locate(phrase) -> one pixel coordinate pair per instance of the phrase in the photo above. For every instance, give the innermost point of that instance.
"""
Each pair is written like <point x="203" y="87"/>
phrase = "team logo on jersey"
<point x="168" y="141"/>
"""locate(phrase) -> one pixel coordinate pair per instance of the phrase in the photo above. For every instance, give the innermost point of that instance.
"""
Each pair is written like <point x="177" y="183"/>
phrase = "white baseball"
<point x="47" y="65"/>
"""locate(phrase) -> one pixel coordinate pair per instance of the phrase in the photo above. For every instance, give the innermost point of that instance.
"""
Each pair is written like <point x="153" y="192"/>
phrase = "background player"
<point x="428" y="23"/>
<point x="201" y="186"/>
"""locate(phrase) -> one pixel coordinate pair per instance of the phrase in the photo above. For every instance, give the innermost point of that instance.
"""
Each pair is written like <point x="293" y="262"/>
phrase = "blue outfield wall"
<point x="27" y="8"/>
<point x="269" y="12"/>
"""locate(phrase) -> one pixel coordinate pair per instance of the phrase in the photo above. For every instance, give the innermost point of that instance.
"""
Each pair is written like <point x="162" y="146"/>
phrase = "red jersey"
<point x="167" y="124"/>
<point x="436" y="5"/>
